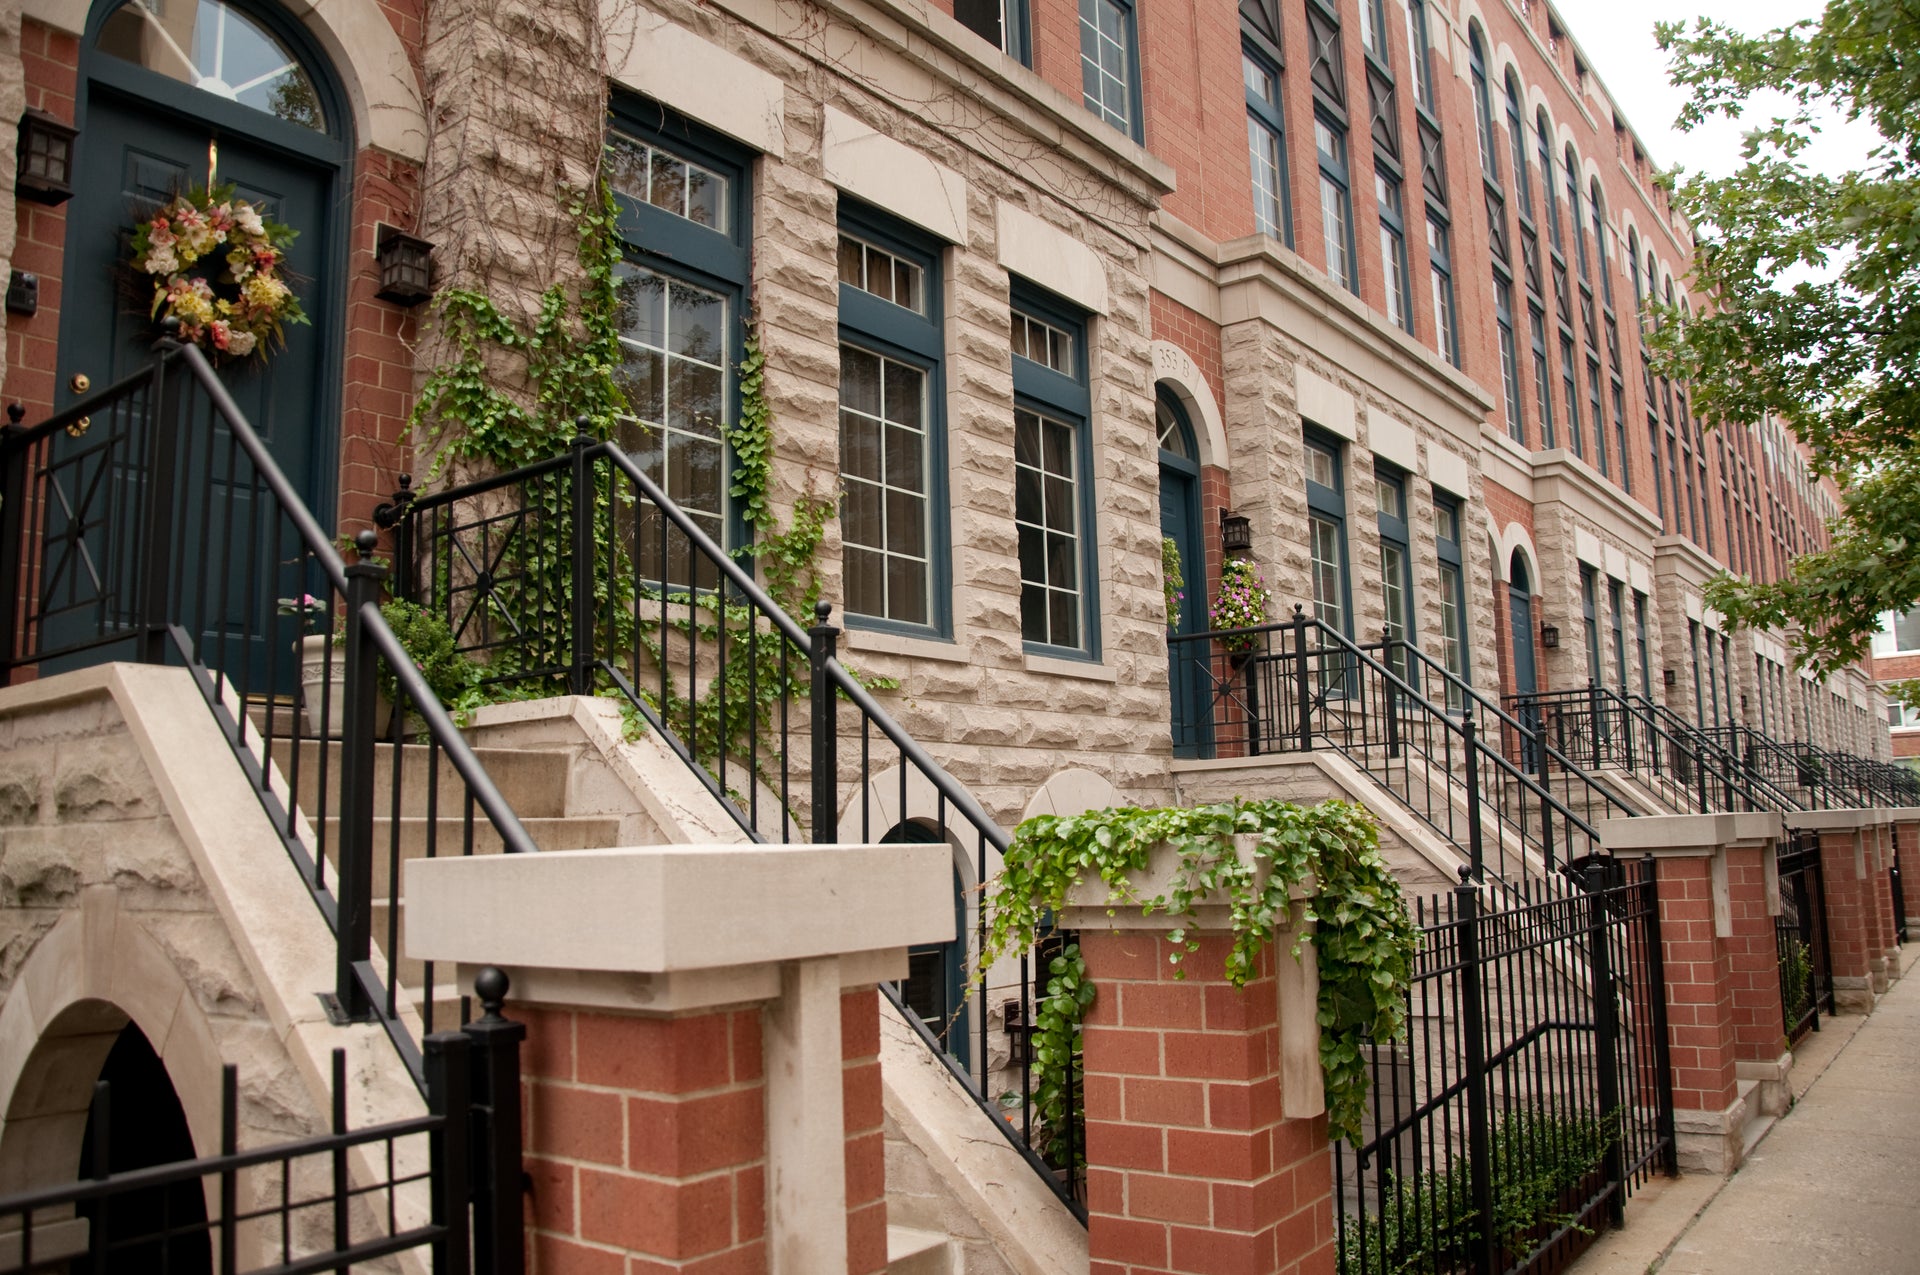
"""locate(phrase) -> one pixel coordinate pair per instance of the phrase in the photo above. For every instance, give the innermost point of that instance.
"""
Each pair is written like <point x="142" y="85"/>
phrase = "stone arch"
<point x="382" y="91"/>
<point x="1175" y="368"/>
<point x="1073" y="791"/>
<point x="1508" y="541"/>
<point x="96" y="971"/>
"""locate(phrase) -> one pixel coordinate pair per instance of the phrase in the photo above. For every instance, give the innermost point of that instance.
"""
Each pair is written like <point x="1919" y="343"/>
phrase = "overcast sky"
<point x="1617" y="36"/>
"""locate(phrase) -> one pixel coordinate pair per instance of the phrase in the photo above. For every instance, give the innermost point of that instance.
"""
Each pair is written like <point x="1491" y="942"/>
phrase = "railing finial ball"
<point x="821" y="610"/>
<point x="1465" y="873"/>
<point x="366" y="542"/>
<point x="491" y="985"/>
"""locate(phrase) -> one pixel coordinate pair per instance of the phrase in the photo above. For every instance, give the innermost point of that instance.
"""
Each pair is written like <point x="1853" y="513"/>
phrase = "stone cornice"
<point x="934" y="40"/>
<point x="1258" y="278"/>
<point x="1677" y="555"/>
<point x="1560" y="476"/>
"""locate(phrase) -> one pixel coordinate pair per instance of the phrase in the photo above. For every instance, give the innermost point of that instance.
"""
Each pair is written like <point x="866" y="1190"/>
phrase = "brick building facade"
<point x="1403" y="261"/>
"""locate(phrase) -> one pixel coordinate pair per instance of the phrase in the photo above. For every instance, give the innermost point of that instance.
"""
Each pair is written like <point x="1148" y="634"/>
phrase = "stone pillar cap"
<point x="676" y="927"/>
<point x="1688" y="835"/>
<point x="1845" y="820"/>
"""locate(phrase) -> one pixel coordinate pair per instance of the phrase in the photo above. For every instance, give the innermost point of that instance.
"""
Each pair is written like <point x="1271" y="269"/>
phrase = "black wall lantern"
<point x="1236" y="535"/>
<point x="406" y="266"/>
<point x="1550" y="636"/>
<point x="45" y="174"/>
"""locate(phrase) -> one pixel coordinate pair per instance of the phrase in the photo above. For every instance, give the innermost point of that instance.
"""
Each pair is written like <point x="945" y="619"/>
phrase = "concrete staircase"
<point x="576" y="783"/>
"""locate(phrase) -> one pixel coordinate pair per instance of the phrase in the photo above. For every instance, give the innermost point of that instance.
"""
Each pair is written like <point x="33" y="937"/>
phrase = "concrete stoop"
<point x="916" y="1252"/>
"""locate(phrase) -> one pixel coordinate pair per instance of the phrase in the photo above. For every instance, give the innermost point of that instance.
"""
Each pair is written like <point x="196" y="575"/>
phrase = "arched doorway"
<point x="180" y="97"/>
<point x="1180" y="522"/>
<point x="935" y="988"/>
<point x="1526" y="680"/>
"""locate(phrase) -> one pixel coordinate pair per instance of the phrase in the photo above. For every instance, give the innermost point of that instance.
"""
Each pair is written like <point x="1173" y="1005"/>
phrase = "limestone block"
<point x="102" y="779"/>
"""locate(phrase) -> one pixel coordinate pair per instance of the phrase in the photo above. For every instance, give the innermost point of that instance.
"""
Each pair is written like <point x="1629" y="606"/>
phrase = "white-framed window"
<point x="1899" y="633"/>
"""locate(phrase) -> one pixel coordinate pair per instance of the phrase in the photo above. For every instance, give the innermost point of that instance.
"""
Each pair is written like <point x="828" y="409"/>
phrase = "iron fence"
<point x="150" y="522"/>
<point x="447" y="1183"/>
<point x="1303" y="685"/>
<point x="1804" y="949"/>
<point x="579" y="575"/>
<point x="1533" y="1091"/>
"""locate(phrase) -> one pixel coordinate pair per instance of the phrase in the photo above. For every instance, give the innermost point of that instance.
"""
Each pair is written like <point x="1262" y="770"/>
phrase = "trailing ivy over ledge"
<point x="1363" y="936"/>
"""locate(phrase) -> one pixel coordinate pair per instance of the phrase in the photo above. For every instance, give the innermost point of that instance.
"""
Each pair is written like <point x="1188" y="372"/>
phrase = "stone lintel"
<point x="696" y="921"/>
<point x="679" y="992"/>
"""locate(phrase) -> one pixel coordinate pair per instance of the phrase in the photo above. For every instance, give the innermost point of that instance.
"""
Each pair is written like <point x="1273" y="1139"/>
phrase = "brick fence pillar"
<point x="1207" y="1149"/>
<point x="1906" y="834"/>
<point x="1855" y="856"/>
<point x="702" y="1067"/>
<point x="1718" y="897"/>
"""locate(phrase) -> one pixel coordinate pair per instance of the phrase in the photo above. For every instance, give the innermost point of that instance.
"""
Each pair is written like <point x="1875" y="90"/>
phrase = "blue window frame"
<point x="1396" y="566"/>
<point x="1110" y="64"/>
<point x="1616" y="607"/>
<point x="1393" y="249"/>
<point x="893" y="514"/>
<point x="1327" y="532"/>
<point x="1452" y="651"/>
<point x="684" y="217"/>
<point x="1589" y="608"/>
<point x="1482" y="104"/>
<point x="1053" y="476"/>
<point x="1422" y="59"/>
<point x="1336" y="202"/>
<point x="1267" y="144"/>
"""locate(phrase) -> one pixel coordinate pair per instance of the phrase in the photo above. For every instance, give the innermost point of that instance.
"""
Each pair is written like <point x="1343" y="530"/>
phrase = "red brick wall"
<point x="1753" y="960"/>
<point x="866" y="1143"/>
<point x="1700" y="1008"/>
<point x="1192" y="1167"/>
<point x="1851" y="922"/>
<point x="1908" y="841"/>
<point x="645" y="1136"/>
<point x="51" y="61"/>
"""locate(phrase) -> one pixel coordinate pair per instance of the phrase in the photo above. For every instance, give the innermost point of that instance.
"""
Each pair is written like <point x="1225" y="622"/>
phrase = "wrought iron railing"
<point x="1687" y="770"/>
<point x="1817" y="778"/>
<point x="1304" y="685"/>
<point x="150" y="522"/>
<point x="580" y="575"/>
<point x="1533" y="1091"/>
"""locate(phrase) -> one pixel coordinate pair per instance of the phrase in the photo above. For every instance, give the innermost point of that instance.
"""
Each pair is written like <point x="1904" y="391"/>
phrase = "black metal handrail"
<point x="1686" y="770"/>
<point x="1334" y="693"/>
<point x="150" y="521"/>
<point x="579" y="574"/>
<point x="1526" y="746"/>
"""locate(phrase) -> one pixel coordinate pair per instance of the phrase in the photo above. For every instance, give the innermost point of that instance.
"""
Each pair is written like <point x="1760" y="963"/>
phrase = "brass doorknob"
<point x="80" y="427"/>
<point x="80" y="383"/>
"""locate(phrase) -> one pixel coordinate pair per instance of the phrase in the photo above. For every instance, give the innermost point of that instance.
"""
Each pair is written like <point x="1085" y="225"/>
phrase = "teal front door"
<point x="216" y="94"/>
<point x="1188" y="663"/>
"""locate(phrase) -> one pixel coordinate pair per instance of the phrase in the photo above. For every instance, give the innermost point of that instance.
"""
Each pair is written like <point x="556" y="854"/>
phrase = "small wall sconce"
<point x="1669" y="677"/>
<point x="1550" y="636"/>
<point x="1236" y="534"/>
<point x="406" y="265"/>
<point x="45" y="173"/>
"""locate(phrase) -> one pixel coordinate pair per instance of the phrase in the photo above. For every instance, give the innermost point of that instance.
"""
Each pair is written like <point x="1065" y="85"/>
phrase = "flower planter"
<point x="320" y="692"/>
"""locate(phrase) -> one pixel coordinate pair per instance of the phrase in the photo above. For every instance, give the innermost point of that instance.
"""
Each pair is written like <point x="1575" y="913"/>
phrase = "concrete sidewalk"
<point x="1833" y="1186"/>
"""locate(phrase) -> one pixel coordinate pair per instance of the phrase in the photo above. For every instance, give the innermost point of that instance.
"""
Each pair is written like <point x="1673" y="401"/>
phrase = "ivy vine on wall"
<point x="1363" y="936"/>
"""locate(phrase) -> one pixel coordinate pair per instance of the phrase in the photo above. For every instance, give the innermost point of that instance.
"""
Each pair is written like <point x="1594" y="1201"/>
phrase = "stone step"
<point x="533" y="782"/>
<point x="915" y="1252"/>
<point x="449" y="838"/>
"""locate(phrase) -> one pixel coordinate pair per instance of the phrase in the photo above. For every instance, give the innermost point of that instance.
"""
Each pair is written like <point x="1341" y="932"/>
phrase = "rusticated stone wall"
<point x="105" y="918"/>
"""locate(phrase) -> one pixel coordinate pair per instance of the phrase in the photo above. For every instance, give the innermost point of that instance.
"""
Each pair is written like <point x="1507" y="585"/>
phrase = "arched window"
<point x="218" y="50"/>
<point x="1517" y="149"/>
<point x="1482" y="103"/>
<point x="1633" y="271"/>
<point x="1598" y="211"/>
<point x="1422" y="64"/>
<point x="1544" y="128"/>
<point x="1573" y="210"/>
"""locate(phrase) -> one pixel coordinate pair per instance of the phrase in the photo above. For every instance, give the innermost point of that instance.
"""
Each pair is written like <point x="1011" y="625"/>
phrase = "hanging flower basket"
<point x="1242" y="603"/>
<point x="218" y="266"/>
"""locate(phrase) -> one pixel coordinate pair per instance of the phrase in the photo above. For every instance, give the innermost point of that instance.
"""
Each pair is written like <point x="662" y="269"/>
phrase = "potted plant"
<point x="1242" y="603"/>
<point x="321" y="690"/>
